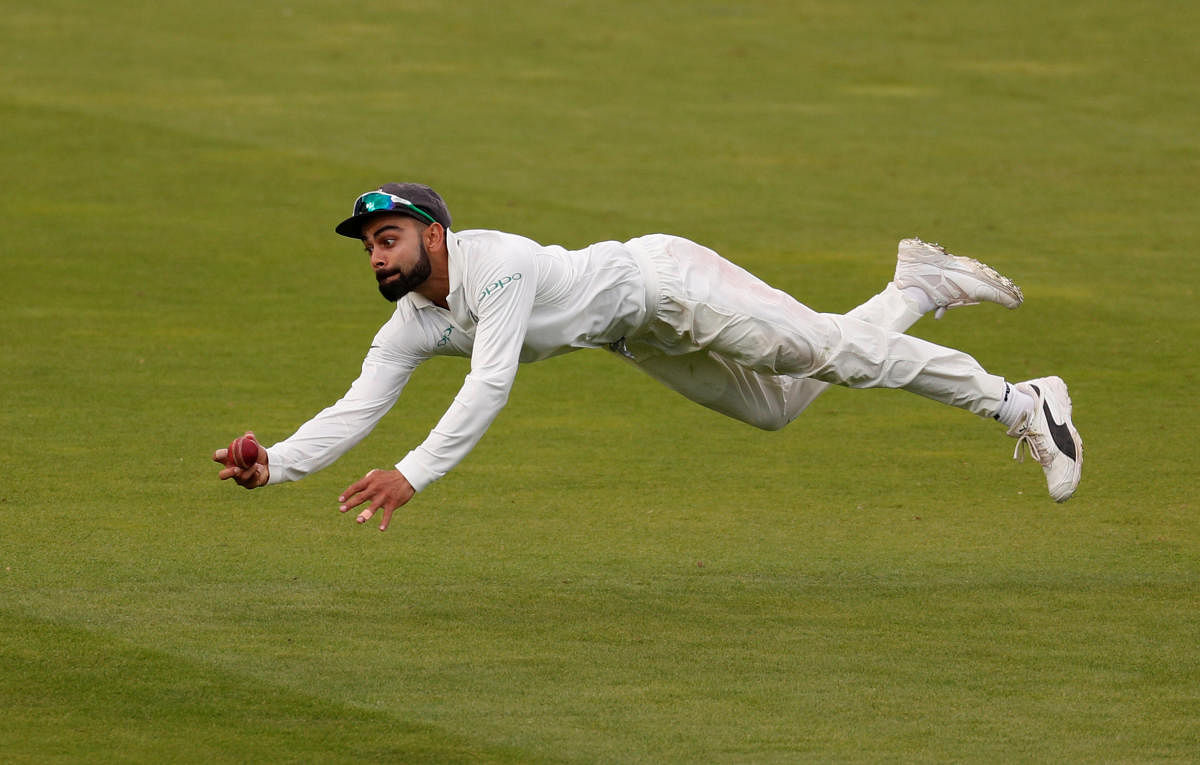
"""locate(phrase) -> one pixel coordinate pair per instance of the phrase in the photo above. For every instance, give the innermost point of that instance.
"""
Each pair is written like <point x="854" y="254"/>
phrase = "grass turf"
<point x="614" y="574"/>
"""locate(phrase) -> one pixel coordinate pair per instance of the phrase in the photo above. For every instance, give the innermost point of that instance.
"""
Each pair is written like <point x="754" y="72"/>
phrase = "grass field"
<point x="615" y="574"/>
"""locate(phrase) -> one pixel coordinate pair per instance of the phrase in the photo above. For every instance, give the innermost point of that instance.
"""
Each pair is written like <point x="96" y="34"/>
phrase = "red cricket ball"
<point x="243" y="452"/>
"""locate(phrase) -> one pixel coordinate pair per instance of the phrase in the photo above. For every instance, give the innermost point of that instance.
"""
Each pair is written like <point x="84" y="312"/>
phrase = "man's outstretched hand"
<point x="250" y="477"/>
<point x="380" y="490"/>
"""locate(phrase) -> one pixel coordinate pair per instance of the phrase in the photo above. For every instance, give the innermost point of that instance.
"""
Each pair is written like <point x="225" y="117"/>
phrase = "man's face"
<point x="397" y="253"/>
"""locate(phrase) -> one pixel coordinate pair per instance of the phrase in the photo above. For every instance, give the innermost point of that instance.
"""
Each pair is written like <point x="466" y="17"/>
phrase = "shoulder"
<point x="479" y="255"/>
<point x="475" y="242"/>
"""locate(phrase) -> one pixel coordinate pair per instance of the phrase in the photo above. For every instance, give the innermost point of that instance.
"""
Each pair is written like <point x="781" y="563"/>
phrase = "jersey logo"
<point x="445" y="338"/>
<point x="498" y="285"/>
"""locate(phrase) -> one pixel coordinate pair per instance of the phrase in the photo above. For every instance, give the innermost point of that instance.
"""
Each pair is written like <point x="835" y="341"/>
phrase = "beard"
<point x="394" y="283"/>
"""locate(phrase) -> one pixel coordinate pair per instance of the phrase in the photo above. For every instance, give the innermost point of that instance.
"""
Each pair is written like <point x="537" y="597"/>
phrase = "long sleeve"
<point x="501" y="287"/>
<point x="335" y="430"/>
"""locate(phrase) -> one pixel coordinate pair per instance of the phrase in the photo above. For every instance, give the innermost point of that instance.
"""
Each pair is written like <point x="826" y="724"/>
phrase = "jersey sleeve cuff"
<point x="417" y="474"/>
<point x="276" y="473"/>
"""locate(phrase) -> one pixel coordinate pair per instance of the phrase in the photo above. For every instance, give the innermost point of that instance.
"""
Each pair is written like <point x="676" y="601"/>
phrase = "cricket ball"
<point x="244" y="451"/>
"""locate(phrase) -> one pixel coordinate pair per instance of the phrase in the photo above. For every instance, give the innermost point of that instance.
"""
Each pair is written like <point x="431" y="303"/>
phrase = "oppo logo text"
<point x="498" y="285"/>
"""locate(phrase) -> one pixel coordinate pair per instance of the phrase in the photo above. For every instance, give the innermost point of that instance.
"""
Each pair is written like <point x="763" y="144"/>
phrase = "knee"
<point x="765" y="402"/>
<point x="759" y="406"/>
<point x="773" y="421"/>
<point x="796" y="352"/>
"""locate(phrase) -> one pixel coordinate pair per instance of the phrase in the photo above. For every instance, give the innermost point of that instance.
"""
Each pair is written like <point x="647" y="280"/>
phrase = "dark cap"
<point x="429" y="206"/>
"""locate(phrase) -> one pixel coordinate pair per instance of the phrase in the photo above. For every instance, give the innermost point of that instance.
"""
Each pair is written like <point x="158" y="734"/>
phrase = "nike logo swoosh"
<point x="1060" y="433"/>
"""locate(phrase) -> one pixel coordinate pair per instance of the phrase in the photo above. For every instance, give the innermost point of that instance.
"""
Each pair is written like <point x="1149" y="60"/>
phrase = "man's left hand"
<point x="380" y="490"/>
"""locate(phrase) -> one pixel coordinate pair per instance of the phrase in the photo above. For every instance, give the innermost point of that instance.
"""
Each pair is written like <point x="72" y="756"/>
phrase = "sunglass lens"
<point x="372" y="202"/>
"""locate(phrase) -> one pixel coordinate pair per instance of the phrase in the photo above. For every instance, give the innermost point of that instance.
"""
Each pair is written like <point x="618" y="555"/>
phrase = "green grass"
<point x="615" y="574"/>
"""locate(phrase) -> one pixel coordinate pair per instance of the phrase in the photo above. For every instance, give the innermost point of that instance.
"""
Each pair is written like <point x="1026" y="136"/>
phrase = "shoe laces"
<point x="1034" y="441"/>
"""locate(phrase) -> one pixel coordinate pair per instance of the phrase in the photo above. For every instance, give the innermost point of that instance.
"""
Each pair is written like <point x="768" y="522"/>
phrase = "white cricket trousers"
<point x="727" y="340"/>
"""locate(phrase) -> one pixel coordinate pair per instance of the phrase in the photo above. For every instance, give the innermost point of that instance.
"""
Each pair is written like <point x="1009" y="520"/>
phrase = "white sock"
<point x="919" y="298"/>
<point x="1015" y="406"/>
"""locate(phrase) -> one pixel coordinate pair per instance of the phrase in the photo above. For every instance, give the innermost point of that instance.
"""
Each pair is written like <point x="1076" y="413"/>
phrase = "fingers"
<point x="369" y="513"/>
<point x="379" y="490"/>
<point x="255" y="476"/>
<point x="387" y="518"/>
<point x="348" y="502"/>
<point x="250" y="478"/>
<point x="349" y="498"/>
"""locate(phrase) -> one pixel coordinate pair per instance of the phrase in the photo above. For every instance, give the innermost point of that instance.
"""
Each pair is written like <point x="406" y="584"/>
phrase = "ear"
<point x="434" y="236"/>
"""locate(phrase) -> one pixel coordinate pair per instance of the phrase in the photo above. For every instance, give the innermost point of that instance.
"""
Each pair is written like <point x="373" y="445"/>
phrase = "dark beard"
<point x="395" y="284"/>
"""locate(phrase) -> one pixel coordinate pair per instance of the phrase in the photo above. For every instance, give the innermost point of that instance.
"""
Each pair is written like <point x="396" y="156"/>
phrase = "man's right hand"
<point x="250" y="478"/>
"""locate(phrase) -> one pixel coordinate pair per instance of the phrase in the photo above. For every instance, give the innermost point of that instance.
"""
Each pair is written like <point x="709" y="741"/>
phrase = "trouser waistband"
<point x="649" y="255"/>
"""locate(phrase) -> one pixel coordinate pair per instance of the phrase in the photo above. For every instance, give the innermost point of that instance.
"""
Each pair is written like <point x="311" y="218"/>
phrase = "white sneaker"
<point x="1051" y="437"/>
<point x="949" y="280"/>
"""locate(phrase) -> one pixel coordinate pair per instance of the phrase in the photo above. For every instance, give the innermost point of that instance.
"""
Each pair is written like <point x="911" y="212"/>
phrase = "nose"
<point x="378" y="261"/>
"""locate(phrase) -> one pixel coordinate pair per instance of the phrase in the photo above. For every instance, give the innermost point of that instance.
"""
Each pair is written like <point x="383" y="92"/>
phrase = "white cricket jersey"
<point x="511" y="300"/>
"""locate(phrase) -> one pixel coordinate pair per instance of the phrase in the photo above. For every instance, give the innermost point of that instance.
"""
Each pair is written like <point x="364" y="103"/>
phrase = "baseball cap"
<point x="415" y="200"/>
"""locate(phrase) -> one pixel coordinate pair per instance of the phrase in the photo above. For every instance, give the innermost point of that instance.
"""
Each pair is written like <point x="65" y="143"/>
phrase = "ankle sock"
<point x="919" y="298"/>
<point x="1015" y="405"/>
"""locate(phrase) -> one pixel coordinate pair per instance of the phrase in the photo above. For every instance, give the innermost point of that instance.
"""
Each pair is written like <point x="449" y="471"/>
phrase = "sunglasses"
<point x="374" y="201"/>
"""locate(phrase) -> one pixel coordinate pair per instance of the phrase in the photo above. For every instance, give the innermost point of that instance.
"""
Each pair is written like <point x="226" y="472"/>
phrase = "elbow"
<point x="493" y="387"/>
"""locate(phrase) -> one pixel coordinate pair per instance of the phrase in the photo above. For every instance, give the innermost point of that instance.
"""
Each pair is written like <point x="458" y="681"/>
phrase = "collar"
<point x="454" y="261"/>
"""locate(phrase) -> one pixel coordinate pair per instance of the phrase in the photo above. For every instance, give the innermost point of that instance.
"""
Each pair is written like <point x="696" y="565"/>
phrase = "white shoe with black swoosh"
<point x="1050" y="436"/>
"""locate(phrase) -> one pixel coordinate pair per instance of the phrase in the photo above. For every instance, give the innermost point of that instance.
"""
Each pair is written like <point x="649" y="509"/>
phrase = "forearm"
<point x="462" y="426"/>
<point x="319" y="442"/>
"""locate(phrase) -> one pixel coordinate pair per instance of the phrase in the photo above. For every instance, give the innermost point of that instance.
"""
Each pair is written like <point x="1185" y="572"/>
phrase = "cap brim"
<point x="352" y="226"/>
